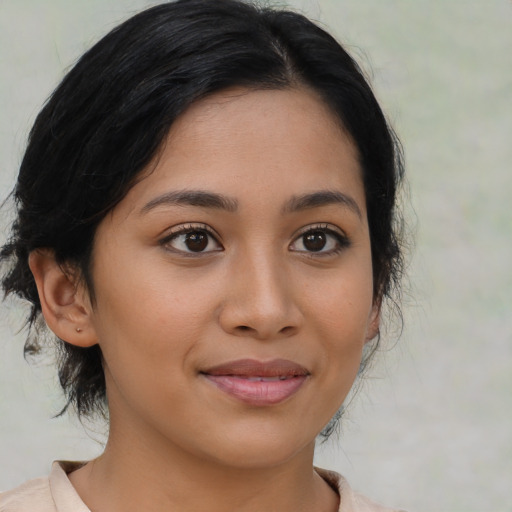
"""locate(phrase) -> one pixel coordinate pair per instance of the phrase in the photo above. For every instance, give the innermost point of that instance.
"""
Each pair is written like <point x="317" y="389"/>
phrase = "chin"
<point x="262" y="447"/>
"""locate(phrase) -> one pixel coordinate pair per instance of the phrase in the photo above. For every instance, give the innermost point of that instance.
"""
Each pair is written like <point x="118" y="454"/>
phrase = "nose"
<point x="260" y="301"/>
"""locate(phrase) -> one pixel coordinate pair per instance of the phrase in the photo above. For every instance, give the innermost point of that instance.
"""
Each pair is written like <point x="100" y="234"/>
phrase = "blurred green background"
<point x="432" y="426"/>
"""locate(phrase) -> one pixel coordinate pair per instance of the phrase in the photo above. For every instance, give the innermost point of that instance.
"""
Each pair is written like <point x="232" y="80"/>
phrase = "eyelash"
<point x="340" y="239"/>
<point x="190" y="229"/>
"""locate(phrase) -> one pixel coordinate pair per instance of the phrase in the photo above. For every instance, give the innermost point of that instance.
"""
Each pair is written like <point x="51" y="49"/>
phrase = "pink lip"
<point x="256" y="382"/>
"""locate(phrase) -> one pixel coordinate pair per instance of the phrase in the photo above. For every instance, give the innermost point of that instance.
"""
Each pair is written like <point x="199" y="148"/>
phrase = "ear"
<point x="65" y="303"/>
<point x="373" y="322"/>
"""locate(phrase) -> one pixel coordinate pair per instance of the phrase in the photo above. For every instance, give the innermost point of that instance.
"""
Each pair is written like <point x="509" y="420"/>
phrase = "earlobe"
<point x="373" y="323"/>
<point x="64" y="302"/>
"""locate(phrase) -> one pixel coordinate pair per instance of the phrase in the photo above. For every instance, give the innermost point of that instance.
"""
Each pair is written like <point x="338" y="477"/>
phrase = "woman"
<point x="206" y="221"/>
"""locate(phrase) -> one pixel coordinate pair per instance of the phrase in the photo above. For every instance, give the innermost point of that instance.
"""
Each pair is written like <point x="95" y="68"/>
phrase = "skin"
<point x="162" y="314"/>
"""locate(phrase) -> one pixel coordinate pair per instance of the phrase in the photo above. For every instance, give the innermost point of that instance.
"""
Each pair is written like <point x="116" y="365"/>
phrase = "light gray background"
<point x="432" y="428"/>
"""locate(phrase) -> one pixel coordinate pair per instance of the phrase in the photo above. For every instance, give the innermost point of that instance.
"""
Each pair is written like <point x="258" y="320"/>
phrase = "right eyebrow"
<point x="198" y="198"/>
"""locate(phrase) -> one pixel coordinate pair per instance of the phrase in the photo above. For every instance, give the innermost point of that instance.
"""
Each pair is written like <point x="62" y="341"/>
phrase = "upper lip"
<point x="255" y="368"/>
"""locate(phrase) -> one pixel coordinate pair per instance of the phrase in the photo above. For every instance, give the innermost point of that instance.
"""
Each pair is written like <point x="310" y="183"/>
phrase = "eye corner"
<point x="191" y="240"/>
<point x="324" y="240"/>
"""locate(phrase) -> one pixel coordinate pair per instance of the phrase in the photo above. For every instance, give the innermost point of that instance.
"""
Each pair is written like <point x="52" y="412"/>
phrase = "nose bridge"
<point x="264" y="273"/>
<point x="261" y="301"/>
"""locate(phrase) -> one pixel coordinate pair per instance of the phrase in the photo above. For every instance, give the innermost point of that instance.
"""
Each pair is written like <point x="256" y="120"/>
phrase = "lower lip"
<point x="259" y="393"/>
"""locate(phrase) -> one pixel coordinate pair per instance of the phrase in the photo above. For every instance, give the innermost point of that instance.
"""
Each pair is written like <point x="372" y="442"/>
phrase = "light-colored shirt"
<point x="56" y="494"/>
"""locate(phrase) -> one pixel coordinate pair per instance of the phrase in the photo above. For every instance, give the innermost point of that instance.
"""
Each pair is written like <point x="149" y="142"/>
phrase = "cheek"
<point x="343" y="303"/>
<point x="146" y="294"/>
<point x="149" y="327"/>
<point x="340" y="312"/>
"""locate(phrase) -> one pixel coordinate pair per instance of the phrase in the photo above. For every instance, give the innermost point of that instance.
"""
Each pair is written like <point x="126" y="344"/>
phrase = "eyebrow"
<point x="321" y="198"/>
<point x="213" y="200"/>
<point x="198" y="198"/>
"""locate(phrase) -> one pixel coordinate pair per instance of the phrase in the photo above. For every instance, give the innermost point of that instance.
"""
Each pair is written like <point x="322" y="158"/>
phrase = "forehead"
<point x="255" y="143"/>
<point x="270" y="117"/>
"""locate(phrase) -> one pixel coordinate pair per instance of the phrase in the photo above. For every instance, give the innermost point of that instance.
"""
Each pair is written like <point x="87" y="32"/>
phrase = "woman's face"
<point x="233" y="284"/>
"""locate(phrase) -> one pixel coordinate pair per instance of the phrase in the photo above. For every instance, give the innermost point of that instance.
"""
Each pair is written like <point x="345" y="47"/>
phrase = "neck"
<point x="141" y="472"/>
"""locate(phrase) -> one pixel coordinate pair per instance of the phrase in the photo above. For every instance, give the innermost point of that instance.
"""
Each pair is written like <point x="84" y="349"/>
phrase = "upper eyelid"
<point x="334" y="231"/>
<point x="200" y="226"/>
<point x="172" y="233"/>
<point x="319" y="226"/>
<point x="190" y="226"/>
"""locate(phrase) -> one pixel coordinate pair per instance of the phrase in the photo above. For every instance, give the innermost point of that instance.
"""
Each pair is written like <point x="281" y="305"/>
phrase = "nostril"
<point x="286" y="331"/>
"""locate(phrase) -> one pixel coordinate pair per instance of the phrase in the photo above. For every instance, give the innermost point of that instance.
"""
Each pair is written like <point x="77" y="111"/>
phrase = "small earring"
<point x="78" y="329"/>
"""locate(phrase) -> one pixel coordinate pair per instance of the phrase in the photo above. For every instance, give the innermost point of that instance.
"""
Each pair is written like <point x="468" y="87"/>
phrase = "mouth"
<point x="258" y="383"/>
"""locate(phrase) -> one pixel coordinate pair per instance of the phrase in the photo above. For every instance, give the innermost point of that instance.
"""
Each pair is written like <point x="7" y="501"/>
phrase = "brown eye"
<point x="191" y="240"/>
<point x="196" y="241"/>
<point x="314" y="241"/>
<point x="323" y="240"/>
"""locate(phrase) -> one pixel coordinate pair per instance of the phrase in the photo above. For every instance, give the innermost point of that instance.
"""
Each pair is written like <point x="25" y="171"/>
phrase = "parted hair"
<point x="108" y="118"/>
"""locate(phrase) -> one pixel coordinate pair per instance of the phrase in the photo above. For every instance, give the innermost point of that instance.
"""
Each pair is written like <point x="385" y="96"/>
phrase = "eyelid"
<point x="331" y="229"/>
<point x="320" y="226"/>
<point x="181" y="229"/>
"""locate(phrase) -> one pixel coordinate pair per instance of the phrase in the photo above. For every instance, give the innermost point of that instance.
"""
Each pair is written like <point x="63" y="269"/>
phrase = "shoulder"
<point x="351" y="501"/>
<point x="34" y="495"/>
<point x="49" y="494"/>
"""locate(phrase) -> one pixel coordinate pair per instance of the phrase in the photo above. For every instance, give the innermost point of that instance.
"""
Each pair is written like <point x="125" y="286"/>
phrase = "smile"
<point x="258" y="383"/>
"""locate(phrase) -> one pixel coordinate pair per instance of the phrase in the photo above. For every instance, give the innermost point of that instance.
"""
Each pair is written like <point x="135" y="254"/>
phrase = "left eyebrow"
<point x="321" y="198"/>
<point x="198" y="198"/>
